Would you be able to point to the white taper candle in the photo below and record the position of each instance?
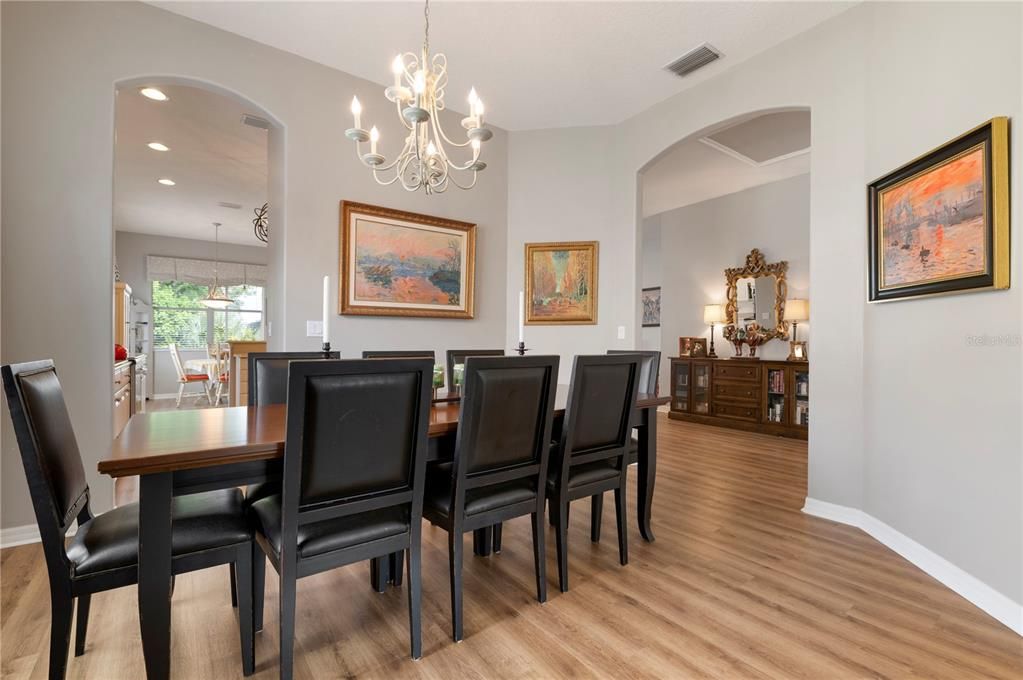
(326, 303)
(522, 316)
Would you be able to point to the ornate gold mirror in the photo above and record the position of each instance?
(756, 294)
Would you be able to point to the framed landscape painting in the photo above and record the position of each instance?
(940, 224)
(561, 283)
(651, 300)
(396, 263)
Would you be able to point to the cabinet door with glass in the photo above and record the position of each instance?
(801, 397)
(701, 387)
(680, 386)
(776, 380)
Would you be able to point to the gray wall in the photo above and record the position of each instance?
(698, 242)
(60, 65)
(130, 251)
(912, 423)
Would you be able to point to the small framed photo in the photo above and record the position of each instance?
(699, 347)
(685, 347)
(797, 350)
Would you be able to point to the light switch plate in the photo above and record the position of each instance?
(621, 332)
(314, 329)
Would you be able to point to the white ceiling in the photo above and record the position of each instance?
(535, 64)
(694, 171)
(213, 157)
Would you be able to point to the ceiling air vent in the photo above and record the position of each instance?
(255, 121)
(692, 60)
(232, 206)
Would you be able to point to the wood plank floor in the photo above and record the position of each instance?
(739, 584)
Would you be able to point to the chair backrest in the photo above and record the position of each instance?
(598, 414)
(458, 356)
(176, 358)
(505, 421)
(49, 454)
(268, 374)
(400, 354)
(649, 367)
(356, 439)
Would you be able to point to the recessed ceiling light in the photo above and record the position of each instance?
(154, 94)
(157, 146)
(166, 182)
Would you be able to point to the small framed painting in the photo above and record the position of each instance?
(651, 300)
(940, 224)
(561, 283)
(396, 263)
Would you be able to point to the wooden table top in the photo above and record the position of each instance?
(164, 441)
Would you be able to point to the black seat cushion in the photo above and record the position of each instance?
(482, 499)
(318, 538)
(587, 473)
(201, 521)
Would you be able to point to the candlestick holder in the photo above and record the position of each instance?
(326, 350)
(521, 349)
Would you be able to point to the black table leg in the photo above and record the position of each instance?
(155, 492)
(379, 573)
(482, 541)
(647, 470)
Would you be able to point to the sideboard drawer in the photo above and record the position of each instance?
(737, 391)
(737, 371)
(737, 411)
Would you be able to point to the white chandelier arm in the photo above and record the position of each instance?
(475, 176)
(438, 130)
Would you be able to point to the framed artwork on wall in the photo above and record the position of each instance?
(940, 223)
(561, 283)
(650, 298)
(396, 263)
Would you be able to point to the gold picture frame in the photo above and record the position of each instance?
(561, 283)
(756, 266)
(398, 263)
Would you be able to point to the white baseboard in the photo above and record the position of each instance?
(22, 535)
(983, 596)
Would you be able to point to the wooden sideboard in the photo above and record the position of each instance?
(240, 349)
(772, 397)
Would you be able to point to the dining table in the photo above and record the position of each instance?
(176, 453)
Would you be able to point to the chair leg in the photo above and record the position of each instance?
(415, 596)
(61, 610)
(242, 569)
(455, 563)
(378, 573)
(623, 527)
(258, 585)
(497, 537)
(539, 557)
(234, 585)
(82, 623)
(397, 562)
(287, 654)
(562, 545)
(596, 515)
(181, 393)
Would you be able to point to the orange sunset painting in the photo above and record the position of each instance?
(933, 224)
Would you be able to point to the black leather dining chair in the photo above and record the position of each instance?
(268, 385)
(209, 529)
(591, 456)
(458, 356)
(499, 469)
(400, 354)
(649, 367)
(354, 466)
(268, 374)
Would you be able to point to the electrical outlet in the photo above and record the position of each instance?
(621, 332)
(314, 329)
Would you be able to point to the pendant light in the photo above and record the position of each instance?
(217, 297)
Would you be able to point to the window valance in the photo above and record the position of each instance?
(159, 268)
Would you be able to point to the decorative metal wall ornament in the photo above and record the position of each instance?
(260, 225)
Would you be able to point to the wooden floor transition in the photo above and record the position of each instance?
(739, 584)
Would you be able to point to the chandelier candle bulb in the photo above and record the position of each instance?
(357, 112)
(397, 67)
(374, 135)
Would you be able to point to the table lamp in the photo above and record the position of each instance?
(796, 310)
(713, 314)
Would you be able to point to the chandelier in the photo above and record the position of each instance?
(418, 94)
(217, 297)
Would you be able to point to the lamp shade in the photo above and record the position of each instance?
(797, 310)
(713, 314)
